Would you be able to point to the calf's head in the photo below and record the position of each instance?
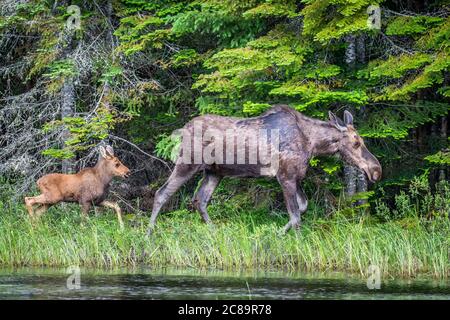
(111, 164)
(352, 148)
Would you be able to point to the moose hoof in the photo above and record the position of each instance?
(290, 225)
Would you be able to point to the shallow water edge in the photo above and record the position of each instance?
(186, 283)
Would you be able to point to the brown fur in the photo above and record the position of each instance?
(88, 187)
(301, 138)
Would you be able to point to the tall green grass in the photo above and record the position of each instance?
(239, 240)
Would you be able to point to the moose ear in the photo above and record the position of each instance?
(348, 118)
(338, 123)
(102, 151)
(109, 151)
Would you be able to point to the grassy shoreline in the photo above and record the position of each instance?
(248, 240)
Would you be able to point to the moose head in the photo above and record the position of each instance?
(111, 164)
(352, 148)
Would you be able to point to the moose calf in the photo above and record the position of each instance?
(87, 187)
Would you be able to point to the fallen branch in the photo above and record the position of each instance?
(140, 150)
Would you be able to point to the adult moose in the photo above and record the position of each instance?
(88, 187)
(299, 139)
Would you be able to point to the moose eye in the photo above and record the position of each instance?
(117, 165)
(357, 144)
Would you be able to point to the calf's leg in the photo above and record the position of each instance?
(115, 206)
(201, 198)
(39, 211)
(43, 200)
(85, 207)
(29, 204)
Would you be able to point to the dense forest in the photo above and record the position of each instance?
(129, 72)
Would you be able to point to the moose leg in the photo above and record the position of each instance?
(29, 201)
(302, 201)
(203, 195)
(38, 200)
(85, 207)
(292, 204)
(39, 211)
(179, 176)
(115, 206)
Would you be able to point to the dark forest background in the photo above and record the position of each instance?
(136, 70)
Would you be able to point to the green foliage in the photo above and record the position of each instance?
(432, 74)
(168, 147)
(221, 24)
(165, 21)
(185, 58)
(439, 158)
(404, 25)
(58, 153)
(320, 71)
(328, 164)
(273, 9)
(255, 108)
(418, 201)
(45, 28)
(138, 32)
(61, 68)
(24, 12)
(111, 74)
(248, 73)
(83, 132)
(436, 38)
(326, 20)
(311, 94)
(396, 121)
(380, 70)
(58, 72)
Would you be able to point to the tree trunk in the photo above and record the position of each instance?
(444, 128)
(361, 185)
(361, 48)
(350, 179)
(68, 110)
(350, 171)
(68, 100)
(111, 45)
(361, 179)
(350, 51)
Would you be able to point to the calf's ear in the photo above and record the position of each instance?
(102, 151)
(109, 151)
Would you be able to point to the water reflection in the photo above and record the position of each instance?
(140, 283)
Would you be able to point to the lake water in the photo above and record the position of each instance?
(32, 283)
